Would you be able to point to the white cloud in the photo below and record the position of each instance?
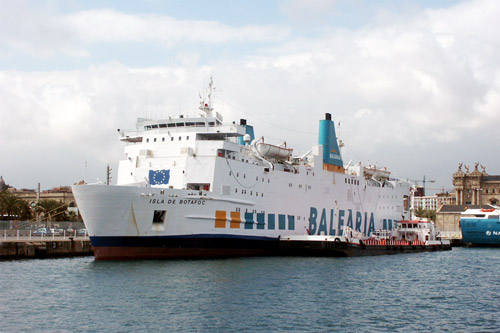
(403, 89)
(109, 25)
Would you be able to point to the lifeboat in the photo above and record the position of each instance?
(373, 171)
(271, 151)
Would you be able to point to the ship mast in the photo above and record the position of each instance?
(206, 106)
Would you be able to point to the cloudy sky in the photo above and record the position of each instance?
(415, 85)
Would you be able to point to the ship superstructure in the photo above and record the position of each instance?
(199, 187)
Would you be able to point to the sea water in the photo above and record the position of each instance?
(457, 290)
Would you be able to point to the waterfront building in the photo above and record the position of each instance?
(433, 202)
(62, 194)
(476, 187)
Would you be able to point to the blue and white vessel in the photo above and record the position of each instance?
(199, 187)
(481, 227)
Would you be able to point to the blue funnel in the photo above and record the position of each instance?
(328, 139)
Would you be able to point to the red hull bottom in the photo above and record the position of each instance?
(133, 253)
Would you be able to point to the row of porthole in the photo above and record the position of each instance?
(171, 139)
(251, 192)
(244, 176)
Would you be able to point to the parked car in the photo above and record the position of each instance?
(82, 232)
(55, 232)
(41, 231)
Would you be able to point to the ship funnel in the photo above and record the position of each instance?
(332, 160)
(248, 131)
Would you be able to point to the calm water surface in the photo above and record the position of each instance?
(457, 290)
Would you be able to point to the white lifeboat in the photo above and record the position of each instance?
(374, 172)
(271, 151)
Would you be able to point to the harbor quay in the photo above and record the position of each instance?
(31, 247)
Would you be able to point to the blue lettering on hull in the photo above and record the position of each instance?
(324, 222)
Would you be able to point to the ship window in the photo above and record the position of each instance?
(163, 139)
(154, 139)
(147, 128)
(200, 124)
(147, 140)
(180, 138)
(171, 125)
(154, 126)
(172, 139)
(159, 216)
(211, 123)
(163, 125)
(187, 137)
(235, 190)
(189, 124)
(180, 124)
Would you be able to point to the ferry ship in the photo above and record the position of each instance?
(193, 187)
(481, 226)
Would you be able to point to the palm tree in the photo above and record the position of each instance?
(52, 210)
(419, 212)
(11, 205)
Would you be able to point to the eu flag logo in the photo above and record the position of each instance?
(158, 177)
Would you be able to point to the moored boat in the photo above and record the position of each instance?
(481, 226)
(408, 236)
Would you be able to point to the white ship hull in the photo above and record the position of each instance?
(120, 219)
(189, 187)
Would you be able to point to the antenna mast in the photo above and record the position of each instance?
(206, 106)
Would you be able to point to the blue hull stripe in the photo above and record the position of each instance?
(187, 241)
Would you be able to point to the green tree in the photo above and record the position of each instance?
(25, 211)
(13, 207)
(419, 212)
(52, 210)
(430, 214)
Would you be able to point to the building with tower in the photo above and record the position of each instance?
(476, 187)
